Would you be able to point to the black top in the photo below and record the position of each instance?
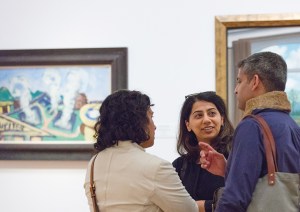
(199, 183)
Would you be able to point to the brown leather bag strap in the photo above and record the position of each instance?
(270, 148)
(93, 187)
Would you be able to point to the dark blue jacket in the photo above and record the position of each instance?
(247, 161)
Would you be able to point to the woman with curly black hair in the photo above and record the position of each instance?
(126, 178)
(203, 118)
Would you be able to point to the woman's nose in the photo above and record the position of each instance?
(206, 118)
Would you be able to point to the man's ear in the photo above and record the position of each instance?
(255, 82)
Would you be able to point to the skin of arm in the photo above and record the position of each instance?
(200, 204)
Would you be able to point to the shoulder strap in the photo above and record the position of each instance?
(270, 148)
(92, 186)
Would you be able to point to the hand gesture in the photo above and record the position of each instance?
(211, 160)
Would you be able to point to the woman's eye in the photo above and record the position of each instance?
(198, 116)
(212, 113)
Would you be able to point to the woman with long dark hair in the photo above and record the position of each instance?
(203, 118)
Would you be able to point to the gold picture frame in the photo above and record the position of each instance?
(225, 23)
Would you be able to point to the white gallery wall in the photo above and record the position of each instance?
(170, 54)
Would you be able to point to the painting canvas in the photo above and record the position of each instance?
(293, 92)
(51, 103)
(50, 100)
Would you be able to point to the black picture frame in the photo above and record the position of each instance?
(115, 58)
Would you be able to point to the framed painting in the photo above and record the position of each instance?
(236, 37)
(49, 100)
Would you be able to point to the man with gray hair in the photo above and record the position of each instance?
(260, 89)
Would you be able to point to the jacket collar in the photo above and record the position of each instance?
(272, 100)
(129, 144)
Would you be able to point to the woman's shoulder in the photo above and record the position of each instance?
(181, 162)
(178, 161)
(154, 159)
